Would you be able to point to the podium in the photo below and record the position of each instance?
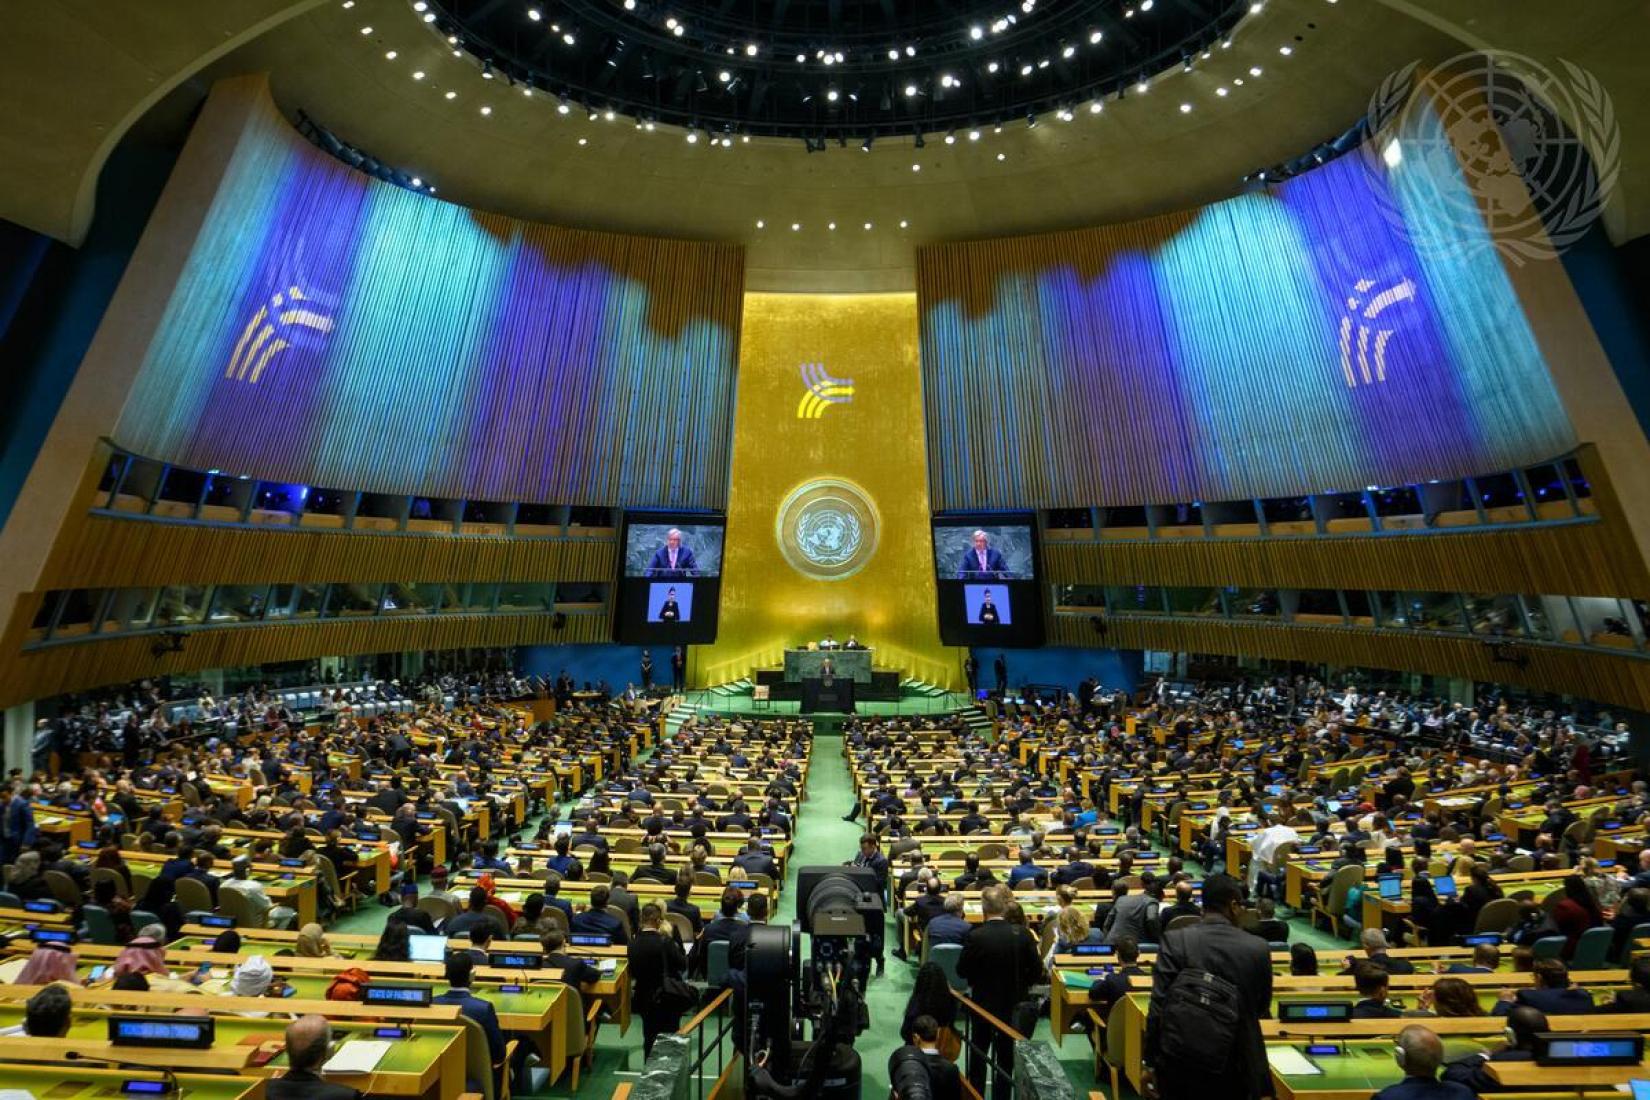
(835, 694)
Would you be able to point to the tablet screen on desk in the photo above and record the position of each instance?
(1444, 887)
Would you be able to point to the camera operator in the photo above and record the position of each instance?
(918, 1071)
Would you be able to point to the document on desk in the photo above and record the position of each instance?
(357, 1056)
(1290, 1062)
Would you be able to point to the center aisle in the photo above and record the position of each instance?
(822, 838)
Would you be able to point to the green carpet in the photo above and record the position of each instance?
(822, 837)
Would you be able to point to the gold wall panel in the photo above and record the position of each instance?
(107, 552)
(865, 451)
(1574, 559)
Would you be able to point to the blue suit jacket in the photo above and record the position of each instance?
(482, 1013)
(946, 928)
(660, 565)
(969, 566)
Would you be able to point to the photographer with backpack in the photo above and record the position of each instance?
(1210, 988)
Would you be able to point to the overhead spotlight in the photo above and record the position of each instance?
(1027, 70)
(976, 32)
(951, 138)
(910, 90)
(1064, 115)
(527, 91)
(796, 227)
(1222, 91)
(678, 30)
(452, 95)
(948, 81)
(760, 224)
(366, 30)
(1146, 5)
(831, 94)
(562, 108)
(724, 76)
(1255, 70)
(1141, 86)
(1185, 108)
(452, 40)
(693, 137)
(348, 4)
(670, 22)
(801, 58)
(532, 13)
(903, 224)
(831, 226)
(416, 182)
(910, 51)
(486, 110)
(992, 67)
(867, 225)
(727, 142)
(418, 74)
(973, 135)
(893, 55)
(421, 5)
(1097, 106)
(1286, 50)
(916, 168)
(1095, 37)
(568, 39)
(839, 56)
(389, 55)
(584, 141)
(1068, 51)
(609, 115)
(629, 5)
(1002, 156)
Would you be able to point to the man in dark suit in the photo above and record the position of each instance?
(678, 669)
(672, 559)
(980, 560)
(1419, 1052)
(1636, 999)
(1525, 1023)
(596, 920)
(460, 965)
(1553, 994)
(1000, 964)
(1217, 945)
(971, 672)
(754, 861)
(950, 926)
(574, 971)
(308, 1039)
(943, 1080)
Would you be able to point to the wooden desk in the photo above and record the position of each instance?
(78, 1083)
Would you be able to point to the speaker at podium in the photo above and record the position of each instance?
(832, 693)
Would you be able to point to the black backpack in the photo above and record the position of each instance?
(1200, 1019)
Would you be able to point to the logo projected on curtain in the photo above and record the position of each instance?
(278, 324)
(821, 391)
(1371, 338)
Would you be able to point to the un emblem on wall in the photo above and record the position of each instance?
(827, 528)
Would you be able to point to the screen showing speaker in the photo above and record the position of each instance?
(671, 583)
(986, 571)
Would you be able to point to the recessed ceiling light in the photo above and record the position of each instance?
(416, 182)
(903, 223)
(1002, 156)
(348, 4)
(1286, 50)
(976, 32)
(584, 141)
(366, 30)
(1255, 70)
(867, 225)
(724, 76)
(750, 49)
(1095, 37)
(910, 90)
(390, 55)
(973, 135)
(795, 226)
(452, 95)
(831, 95)
(831, 226)
(418, 74)
(916, 168)
(692, 138)
(486, 110)
(532, 13)
(1221, 91)
(1185, 108)
(760, 224)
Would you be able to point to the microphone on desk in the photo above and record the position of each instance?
(167, 1076)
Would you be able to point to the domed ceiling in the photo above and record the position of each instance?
(614, 114)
